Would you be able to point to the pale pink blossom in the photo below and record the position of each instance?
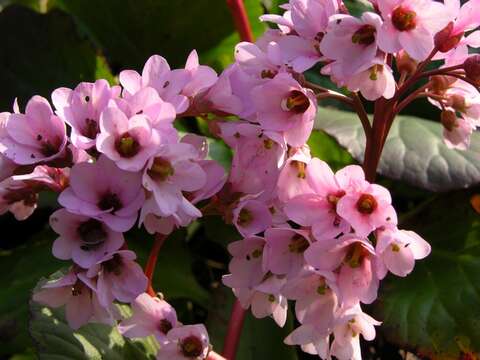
(81, 108)
(76, 293)
(103, 191)
(398, 250)
(119, 277)
(82, 239)
(352, 41)
(189, 342)
(36, 136)
(169, 172)
(251, 216)
(283, 105)
(293, 176)
(129, 142)
(411, 25)
(151, 316)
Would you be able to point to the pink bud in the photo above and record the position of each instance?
(472, 67)
(445, 40)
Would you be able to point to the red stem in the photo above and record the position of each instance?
(237, 8)
(152, 261)
(212, 355)
(234, 331)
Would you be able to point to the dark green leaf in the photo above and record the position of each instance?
(55, 340)
(414, 151)
(41, 52)
(326, 148)
(436, 309)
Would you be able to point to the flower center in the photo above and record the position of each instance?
(165, 326)
(245, 217)
(91, 129)
(365, 35)
(48, 148)
(92, 234)
(367, 204)
(298, 244)
(114, 265)
(110, 201)
(127, 146)
(268, 74)
(333, 199)
(404, 19)
(161, 169)
(296, 102)
(355, 255)
(300, 167)
(191, 347)
(77, 288)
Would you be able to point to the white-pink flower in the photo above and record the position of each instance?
(189, 342)
(151, 316)
(82, 239)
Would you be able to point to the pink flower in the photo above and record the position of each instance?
(293, 177)
(81, 108)
(354, 257)
(258, 63)
(246, 270)
(157, 74)
(374, 80)
(33, 137)
(398, 250)
(171, 171)
(310, 17)
(130, 142)
(186, 342)
(19, 193)
(82, 239)
(283, 252)
(103, 191)
(352, 41)
(283, 105)
(201, 77)
(365, 206)
(119, 277)
(319, 209)
(312, 339)
(350, 324)
(151, 316)
(75, 291)
(298, 53)
(267, 304)
(251, 216)
(253, 150)
(411, 25)
(456, 130)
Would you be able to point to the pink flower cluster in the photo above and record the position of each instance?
(318, 239)
(116, 160)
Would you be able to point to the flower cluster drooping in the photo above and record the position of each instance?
(317, 239)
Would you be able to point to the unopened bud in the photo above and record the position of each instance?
(445, 40)
(457, 102)
(440, 84)
(472, 68)
(405, 64)
(448, 119)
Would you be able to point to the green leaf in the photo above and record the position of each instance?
(41, 52)
(130, 31)
(20, 270)
(222, 55)
(55, 340)
(326, 148)
(414, 151)
(260, 338)
(436, 309)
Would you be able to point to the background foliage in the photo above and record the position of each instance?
(435, 312)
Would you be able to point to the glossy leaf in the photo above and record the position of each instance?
(414, 151)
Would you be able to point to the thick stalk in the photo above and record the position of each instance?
(239, 14)
(152, 261)
(234, 330)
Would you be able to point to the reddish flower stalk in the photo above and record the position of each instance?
(234, 330)
(237, 8)
(152, 261)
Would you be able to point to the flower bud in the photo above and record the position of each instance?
(440, 84)
(405, 64)
(472, 68)
(448, 119)
(445, 40)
